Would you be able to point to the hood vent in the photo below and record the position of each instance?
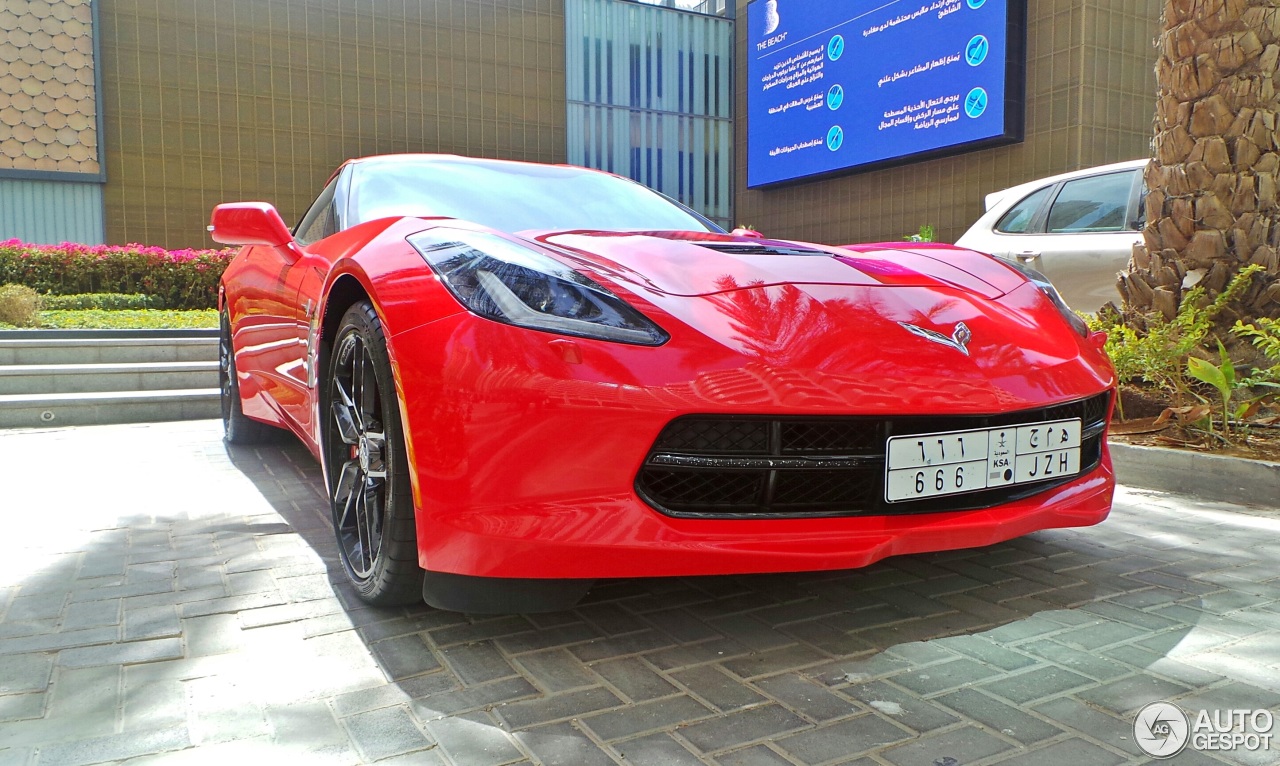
(737, 248)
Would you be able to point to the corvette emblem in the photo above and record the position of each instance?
(959, 339)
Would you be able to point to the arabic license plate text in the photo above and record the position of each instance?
(953, 462)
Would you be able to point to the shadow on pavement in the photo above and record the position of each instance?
(1051, 637)
(165, 599)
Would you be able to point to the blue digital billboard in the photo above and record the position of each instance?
(838, 85)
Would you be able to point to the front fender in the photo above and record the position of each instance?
(405, 293)
(403, 289)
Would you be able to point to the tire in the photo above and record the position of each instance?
(366, 464)
(237, 428)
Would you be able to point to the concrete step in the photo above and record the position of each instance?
(51, 378)
(98, 408)
(98, 350)
(80, 378)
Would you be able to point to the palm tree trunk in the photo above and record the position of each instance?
(1212, 207)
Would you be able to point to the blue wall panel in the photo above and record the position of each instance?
(650, 96)
(49, 212)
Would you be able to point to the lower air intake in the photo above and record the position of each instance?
(709, 466)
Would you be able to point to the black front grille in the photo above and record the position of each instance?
(768, 467)
(708, 489)
(706, 435)
(828, 438)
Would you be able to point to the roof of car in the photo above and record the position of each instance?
(455, 159)
(995, 197)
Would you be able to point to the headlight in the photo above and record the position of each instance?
(1046, 287)
(503, 281)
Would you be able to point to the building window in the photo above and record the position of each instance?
(671, 62)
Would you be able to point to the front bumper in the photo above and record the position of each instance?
(525, 447)
(621, 537)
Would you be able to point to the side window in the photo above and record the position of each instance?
(1019, 217)
(319, 222)
(1092, 204)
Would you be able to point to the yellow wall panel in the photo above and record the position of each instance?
(261, 99)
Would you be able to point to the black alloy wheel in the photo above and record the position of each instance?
(365, 460)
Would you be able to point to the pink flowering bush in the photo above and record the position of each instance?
(176, 279)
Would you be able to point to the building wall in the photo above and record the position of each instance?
(49, 212)
(650, 97)
(208, 102)
(50, 163)
(1090, 100)
(1117, 80)
(260, 99)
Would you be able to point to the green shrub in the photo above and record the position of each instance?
(104, 301)
(176, 279)
(1159, 356)
(1234, 393)
(19, 306)
(1265, 336)
(925, 234)
(130, 319)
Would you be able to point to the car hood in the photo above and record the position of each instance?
(864, 327)
(780, 326)
(693, 263)
(918, 348)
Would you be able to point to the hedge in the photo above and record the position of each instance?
(127, 319)
(99, 302)
(176, 279)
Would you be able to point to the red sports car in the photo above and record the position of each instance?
(522, 377)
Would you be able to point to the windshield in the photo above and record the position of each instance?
(512, 196)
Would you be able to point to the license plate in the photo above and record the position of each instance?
(950, 463)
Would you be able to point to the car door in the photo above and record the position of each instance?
(302, 285)
(262, 319)
(1085, 236)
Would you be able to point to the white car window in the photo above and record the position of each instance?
(1098, 203)
(1019, 217)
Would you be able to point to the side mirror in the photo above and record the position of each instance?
(249, 223)
(750, 233)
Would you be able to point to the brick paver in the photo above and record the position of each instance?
(166, 600)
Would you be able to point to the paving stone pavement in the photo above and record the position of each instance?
(165, 600)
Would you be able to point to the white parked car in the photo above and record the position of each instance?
(1078, 229)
